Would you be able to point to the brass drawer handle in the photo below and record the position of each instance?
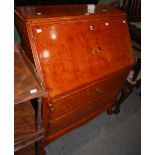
(92, 27)
(99, 91)
(96, 50)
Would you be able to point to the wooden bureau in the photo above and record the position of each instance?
(83, 55)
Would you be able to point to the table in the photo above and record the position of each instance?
(28, 92)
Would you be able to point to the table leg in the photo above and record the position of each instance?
(38, 149)
(38, 114)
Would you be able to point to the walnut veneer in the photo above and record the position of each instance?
(82, 55)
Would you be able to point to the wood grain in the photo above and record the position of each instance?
(24, 125)
(26, 151)
(25, 79)
(82, 58)
(68, 57)
(27, 118)
(37, 14)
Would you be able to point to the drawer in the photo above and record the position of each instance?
(71, 101)
(80, 113)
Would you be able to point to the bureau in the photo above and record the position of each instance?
(82, 54)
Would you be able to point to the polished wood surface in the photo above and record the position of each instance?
(106, 89)
(26, 84)
(76, 123)
(29, 150)
(35, 13)
(24, 121)
(28, 126)
(82, 58)
(57, 52)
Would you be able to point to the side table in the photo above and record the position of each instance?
(28, 92)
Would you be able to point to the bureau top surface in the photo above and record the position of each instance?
(66, 11)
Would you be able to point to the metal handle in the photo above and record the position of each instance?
(96, 50)
(99, 91)
(92, 27)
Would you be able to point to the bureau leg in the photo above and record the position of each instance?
(125, 92)
(109, 112)
(116, 110)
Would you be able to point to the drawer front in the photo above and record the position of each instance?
(80, 113)
(73, 54)
(106, 89)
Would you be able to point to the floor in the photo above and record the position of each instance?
(105, 135)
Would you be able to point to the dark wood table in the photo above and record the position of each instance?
(28, 92)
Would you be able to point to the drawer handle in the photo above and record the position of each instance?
(92, 27)
(96, 50)
(99, 91)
